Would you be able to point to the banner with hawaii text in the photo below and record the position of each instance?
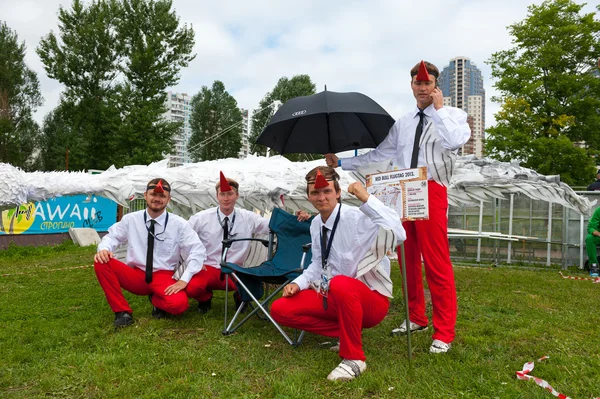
(58, 215)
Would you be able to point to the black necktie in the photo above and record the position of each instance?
(226, 228)
(415, 153)
(150, 252)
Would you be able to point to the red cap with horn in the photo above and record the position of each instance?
(320, 181)
(423, 75)
(224, 187)
(159, 187)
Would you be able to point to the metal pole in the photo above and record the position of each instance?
(510, 226)
(549, 247)
(565, 236)
(480, 231)
(581, 237)
(405, 291)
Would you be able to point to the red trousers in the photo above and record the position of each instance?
(429, 238)
(115, 275)
(351, 306)
(204, 282)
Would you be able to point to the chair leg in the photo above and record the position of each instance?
(230, 329)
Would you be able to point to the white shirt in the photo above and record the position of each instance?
(247, 224)
(354, 236)
(444, 131)
(177, 242)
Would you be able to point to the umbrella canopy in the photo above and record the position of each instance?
(326, 122)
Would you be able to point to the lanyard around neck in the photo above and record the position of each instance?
(325, 251)
(222, 223)
(162, 232)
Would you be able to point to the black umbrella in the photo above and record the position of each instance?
(326, 122)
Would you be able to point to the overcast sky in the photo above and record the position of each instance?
(365, 46)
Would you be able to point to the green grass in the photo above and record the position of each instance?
(57, 341)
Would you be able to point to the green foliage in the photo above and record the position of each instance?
(116, 58)
(284, 90)
(216, 123)
(19, 97)
(549, 91)
(58, 341)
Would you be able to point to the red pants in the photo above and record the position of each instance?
(351, 306)
(115, 275)
(204, 282)
(429, 238)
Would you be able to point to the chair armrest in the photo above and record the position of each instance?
(227, 243)
(305, 249)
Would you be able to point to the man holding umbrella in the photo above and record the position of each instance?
(427, 136)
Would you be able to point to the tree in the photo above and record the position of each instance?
(60, 147)
(284, 90)
(19, 97)
(550, 93)
(216, 123)
(116, 58)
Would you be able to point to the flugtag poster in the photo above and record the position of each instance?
(403, 190)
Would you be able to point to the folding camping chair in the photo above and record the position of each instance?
(284, 263)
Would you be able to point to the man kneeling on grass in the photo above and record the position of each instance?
(344, 304)
(157, 240)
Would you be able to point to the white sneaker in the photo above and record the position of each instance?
(336, 347)
(439, 346)
(347, 370)
(414, 327)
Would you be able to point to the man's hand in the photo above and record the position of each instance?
(438, 98)
(332, 160)
(359, 191)
(302, 215)
(103, 256)
(291, 290)
(175, 288)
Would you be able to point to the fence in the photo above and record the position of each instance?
(538, 232)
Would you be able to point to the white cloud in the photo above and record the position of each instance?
(346, 45)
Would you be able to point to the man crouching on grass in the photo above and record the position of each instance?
(157, 240)
(344, 304)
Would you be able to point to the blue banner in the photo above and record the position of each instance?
(58, 215)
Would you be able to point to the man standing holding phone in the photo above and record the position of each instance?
(430, 135)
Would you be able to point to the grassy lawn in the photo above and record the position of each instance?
(57, 341)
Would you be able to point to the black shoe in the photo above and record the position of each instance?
(204, 307)
(123, 319)
(156, 312)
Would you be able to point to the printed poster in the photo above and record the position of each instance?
(403, 190)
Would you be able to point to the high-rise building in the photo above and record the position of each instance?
(462, 84)
(245, 149)
(179, 110)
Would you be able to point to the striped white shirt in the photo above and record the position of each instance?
(356, 231)
(444, 131)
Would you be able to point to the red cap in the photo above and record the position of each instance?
(159, 187)
(423, 75)
(224, 187)
(320, 180)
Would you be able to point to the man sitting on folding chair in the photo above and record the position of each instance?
(217, 224)
(341, 304)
